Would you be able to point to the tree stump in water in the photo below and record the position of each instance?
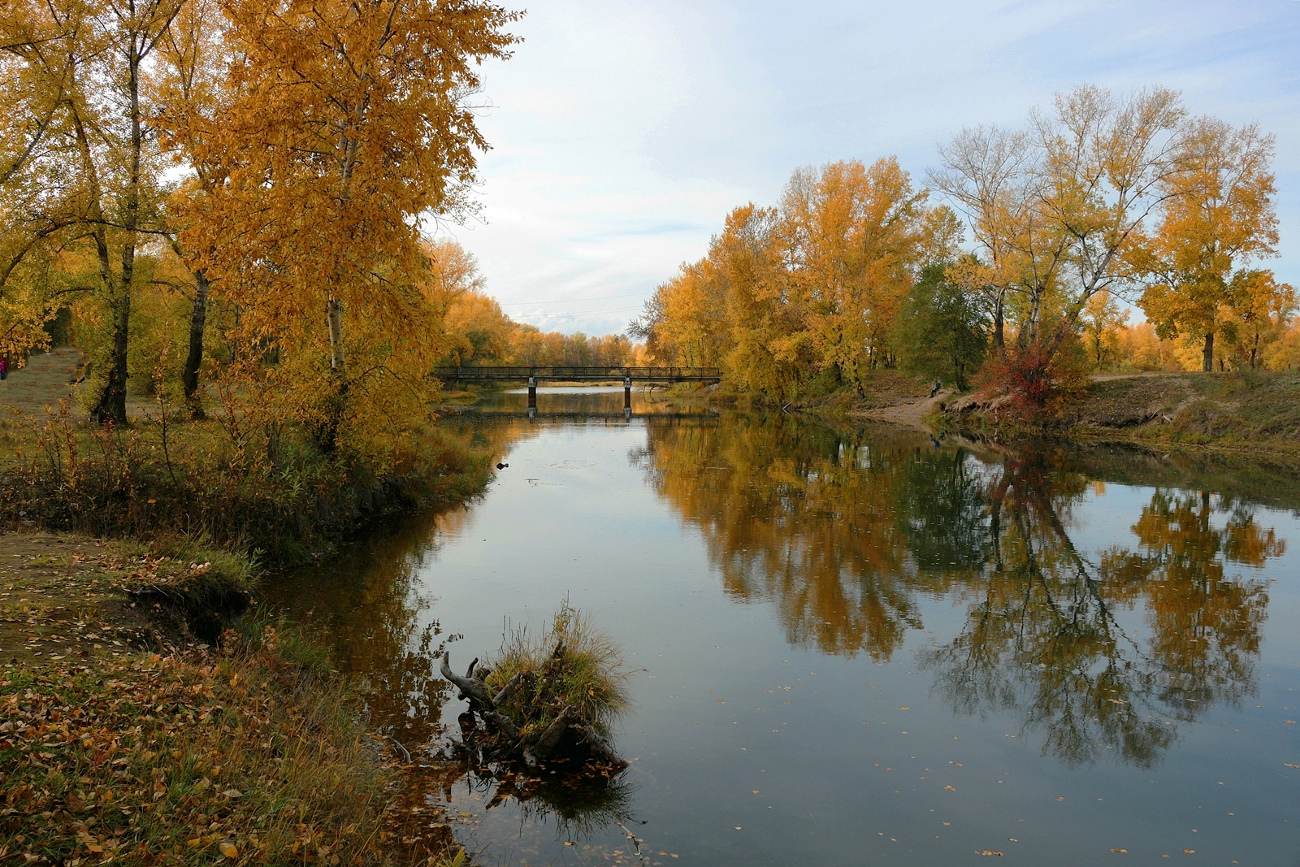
(554, 732)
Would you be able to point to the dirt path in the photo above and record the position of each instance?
(910, 414)
(52, 376)
(42, 382)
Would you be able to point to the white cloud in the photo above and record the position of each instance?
(625, 130)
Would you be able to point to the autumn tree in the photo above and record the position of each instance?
(1218, 213)
(189, 88)
(983, 175)
(92, 62)
(850, 237)
(808, 289)
(1056, 208)
(1259, 311)
(36, 206)
(1100, 322)
(344, 126)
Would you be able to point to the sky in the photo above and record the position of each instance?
(623, 132)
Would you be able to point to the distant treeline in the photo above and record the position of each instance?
(1015, 260)
(478, 332)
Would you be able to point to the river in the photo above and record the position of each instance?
(852, 647)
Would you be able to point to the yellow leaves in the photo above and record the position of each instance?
(812, 286)
(228, 849)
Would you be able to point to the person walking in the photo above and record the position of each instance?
(4, 367)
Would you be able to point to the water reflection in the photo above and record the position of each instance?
(579, 801)
(844, 533)
(794, 513)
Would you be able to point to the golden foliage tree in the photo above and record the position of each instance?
(342, 127)
(91, 153)
(1219, 212)
(1056, 207)
(809, 288)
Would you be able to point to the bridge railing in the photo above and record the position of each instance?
(579, 373)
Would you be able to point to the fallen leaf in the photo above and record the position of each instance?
(228, 849)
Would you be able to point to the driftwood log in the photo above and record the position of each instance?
(533, 751)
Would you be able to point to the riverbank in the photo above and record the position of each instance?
(1241, 413)
(127, 737)
(145, 719)
(1248, 413)
(239, 482)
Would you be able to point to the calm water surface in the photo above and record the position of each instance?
(856, 648)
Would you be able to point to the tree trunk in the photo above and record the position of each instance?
(335, 314)
(999, 330)
(112, 403)
(1207, 354)
(329, 435)
(198, 321)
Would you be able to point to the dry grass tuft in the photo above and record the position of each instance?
(587, 673)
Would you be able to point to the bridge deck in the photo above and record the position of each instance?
(579, 374)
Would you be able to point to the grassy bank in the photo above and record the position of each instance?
(125, 738)
(144, 720)
(163, 476)
(1253, 413)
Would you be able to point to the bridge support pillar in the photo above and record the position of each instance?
(627, 392)
(532, 392)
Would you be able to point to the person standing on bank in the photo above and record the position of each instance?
(4, 367)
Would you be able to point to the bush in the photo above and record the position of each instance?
(1038, 378)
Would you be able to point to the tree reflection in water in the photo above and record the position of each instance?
(845, 533)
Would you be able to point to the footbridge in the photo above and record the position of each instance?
(531, 376)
